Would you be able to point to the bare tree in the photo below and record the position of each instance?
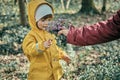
(62, 3)
(66, 2)
(22, 10)
(88, 7)
(104, 6)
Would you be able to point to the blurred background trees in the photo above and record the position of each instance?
(88, 6)
(22, 9)
(104, 6)
(81, 6)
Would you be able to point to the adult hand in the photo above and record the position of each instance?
(64, 32)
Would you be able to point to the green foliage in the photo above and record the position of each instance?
(98, 62)
(12, 38)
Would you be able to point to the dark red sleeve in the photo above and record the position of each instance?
(100, 32)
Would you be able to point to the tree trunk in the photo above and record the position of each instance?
(22, 12)
(68, 3)
(62, 3)
(88, 7)
(104, 6)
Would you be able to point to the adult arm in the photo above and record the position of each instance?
(100, 32)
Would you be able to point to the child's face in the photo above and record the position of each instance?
(43, 23)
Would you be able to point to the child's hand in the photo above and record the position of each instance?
(47, 43)
(66, 58)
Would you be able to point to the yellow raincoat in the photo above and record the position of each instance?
(44, 63)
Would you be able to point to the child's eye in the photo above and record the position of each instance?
(42, 20)
(49, 19)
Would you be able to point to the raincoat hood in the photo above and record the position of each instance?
(32, 6)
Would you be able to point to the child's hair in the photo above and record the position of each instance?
(47, 16)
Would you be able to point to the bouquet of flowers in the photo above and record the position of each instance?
(55, 26)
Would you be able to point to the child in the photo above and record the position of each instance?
(40, 46)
